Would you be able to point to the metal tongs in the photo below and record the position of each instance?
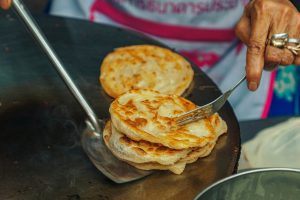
(92, 141)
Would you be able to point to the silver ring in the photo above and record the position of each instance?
(279, 40)
(294, 49)
(280, 36)
(295, 41)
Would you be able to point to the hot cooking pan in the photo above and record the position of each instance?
(41, 123)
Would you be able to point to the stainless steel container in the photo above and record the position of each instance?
(256, 184)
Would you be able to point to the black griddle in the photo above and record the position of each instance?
(41, 123)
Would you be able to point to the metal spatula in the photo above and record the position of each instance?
(92, 142)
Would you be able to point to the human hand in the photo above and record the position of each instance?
(4, 4)
(262, 19)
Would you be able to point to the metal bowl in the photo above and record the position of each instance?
(258, 184)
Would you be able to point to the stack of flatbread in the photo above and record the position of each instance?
(147, 82)
(142, 131)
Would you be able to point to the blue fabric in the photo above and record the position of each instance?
(285, 101)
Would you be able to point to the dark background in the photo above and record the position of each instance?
(296, 3)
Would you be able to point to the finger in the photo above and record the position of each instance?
(256, 47)
(281, 25)
(279, 56)
(295, 26)
(297, 60)
(270, 66)
(242, 29)
(5, 4)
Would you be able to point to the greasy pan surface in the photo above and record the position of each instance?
(41, 123)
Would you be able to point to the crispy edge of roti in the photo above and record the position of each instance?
(179, 166)
(192, 157)
(176, 168)
(137, 151)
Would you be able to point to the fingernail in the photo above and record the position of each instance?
(252, 86)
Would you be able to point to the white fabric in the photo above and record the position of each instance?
(277, 146)
(201, 13)
(218, 14)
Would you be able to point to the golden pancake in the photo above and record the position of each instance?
(220, 129)
(145, 67)
(194, 155)
(148, 115)
(179, 166)
(139, 151)
(148, 156)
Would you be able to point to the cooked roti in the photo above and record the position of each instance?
(149, 156)
(179, 166)
(140, 151)
(149, 116)
(145, 67)
(197, 153)
(201, 152)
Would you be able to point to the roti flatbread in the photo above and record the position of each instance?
(149, 116)
(145, 67)
(140, 151)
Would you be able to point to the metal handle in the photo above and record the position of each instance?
(34, 29)
(238, 83)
